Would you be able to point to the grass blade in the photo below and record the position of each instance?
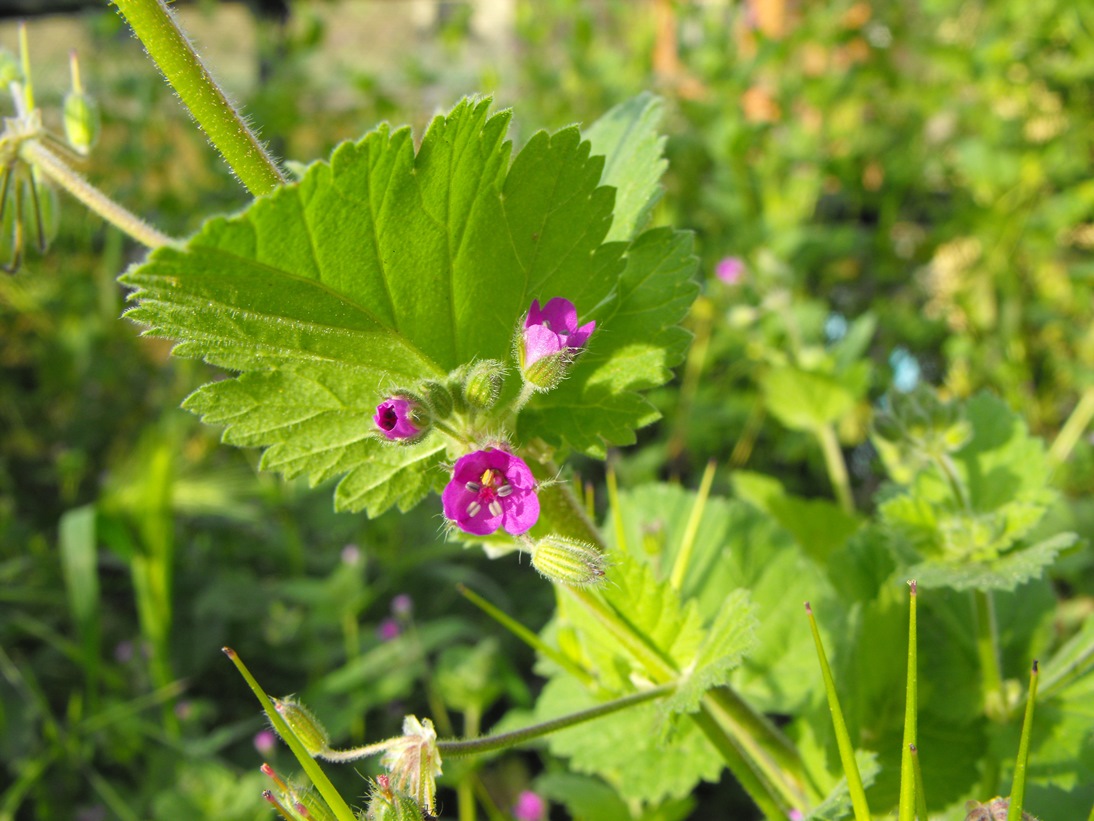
(843, 738)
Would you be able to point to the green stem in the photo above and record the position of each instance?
(503, 741)
(687, 543)
(325, 788)
(839, 725)
(1073, 428)
(465, 789)
(837, 468)
(1018, 787)
(169, 48)
(911, 704)
(987, 649)
(41, 158)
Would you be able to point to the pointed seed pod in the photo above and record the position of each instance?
(81, 114)
(569, 561)
(304, 724)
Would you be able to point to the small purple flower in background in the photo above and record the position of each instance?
(530, 807)
(730, 270)
(123, 651)
(184, 709)
(388, 629)
(553, 329)
(402, 606)
(491, 489)
(394, 418)
(265, 741)
(351, 554)
(795, 815)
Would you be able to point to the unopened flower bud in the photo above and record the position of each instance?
(402, 417)
(310, 805)
(386, 804)
(549, 342)
(81, 114)
(568, 561)
(483, 383)
(304, 724)
(439, 399)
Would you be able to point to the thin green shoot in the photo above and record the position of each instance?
(319, 778)
(1018, 788)
(920, 792)
(687, 543)
(527, 636)
(908, 759)
(843, 737)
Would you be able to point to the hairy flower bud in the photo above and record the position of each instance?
(386, 804)
(304, 724)
(439, 399)
(549, 342)
(81, 114)
(483, 383)
(568, 561)
(402, 417)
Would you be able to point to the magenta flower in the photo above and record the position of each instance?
(491, 489)
(553, 329)
(730, 270)
(395, 418)
(265, 741)
(530, 807)
(389, 629)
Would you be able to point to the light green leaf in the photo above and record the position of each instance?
(628, 749)
(389, 266)
(1006, 573)
(727, 640)
(319, 425)
(637, 340)
(627, 137)
(805, 400)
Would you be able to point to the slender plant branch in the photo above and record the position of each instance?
(503, 741)
(117, 215)
(172, 52)
(987, 648)
(837, 468)
(1073, 428)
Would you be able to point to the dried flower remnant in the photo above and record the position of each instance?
(413, 761)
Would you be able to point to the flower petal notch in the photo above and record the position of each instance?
(491, 489)
(550, 340)
(398, 419)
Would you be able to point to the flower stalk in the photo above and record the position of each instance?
(174, 55)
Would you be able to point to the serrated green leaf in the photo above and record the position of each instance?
(319, 426)
(388, 266)
(1005, 573)
(636, 342)
(737, 547)
(627, 137)
(727, 640)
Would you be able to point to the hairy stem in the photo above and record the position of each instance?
(59, 172)
(174, 55)
(503, 741)
(837, 468)
(1073, 428)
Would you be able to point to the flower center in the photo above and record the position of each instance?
(388, 417)
(488, 490)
